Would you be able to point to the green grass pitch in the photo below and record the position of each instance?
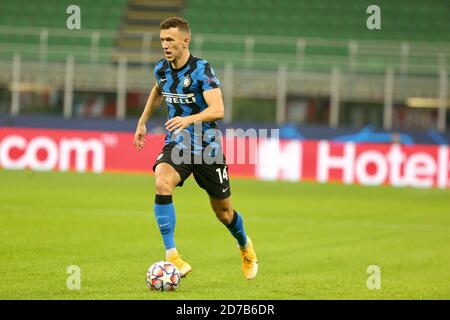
(313, 241)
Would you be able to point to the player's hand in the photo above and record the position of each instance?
(139, 136)
(178, 124)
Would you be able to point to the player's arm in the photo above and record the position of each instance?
(153, 101)
(214, 111)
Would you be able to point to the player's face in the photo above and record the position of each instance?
(174, 42)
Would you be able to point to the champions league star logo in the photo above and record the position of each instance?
(211, 81)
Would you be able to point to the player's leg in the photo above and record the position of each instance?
(214, 179)
(233, 221)
(166, 179)
(230, 218)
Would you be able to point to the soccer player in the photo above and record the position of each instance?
(191, 91)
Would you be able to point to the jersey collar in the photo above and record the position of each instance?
(184, 66)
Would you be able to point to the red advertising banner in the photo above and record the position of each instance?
(422, 166)
(62, 150)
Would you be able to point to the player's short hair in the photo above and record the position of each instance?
(175, 22)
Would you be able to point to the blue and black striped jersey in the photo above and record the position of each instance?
(183, 93)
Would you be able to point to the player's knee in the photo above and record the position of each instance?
(224, 214)
(163, 186)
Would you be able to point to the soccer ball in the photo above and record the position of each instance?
(163, 276)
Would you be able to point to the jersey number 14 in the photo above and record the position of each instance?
(222, 175)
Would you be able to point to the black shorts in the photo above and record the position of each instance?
(211, 177)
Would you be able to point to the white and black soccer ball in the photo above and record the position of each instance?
(163, 276)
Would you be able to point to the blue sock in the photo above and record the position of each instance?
(236, 227)
(165, 218)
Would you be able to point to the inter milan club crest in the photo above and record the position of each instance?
(186, 81)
